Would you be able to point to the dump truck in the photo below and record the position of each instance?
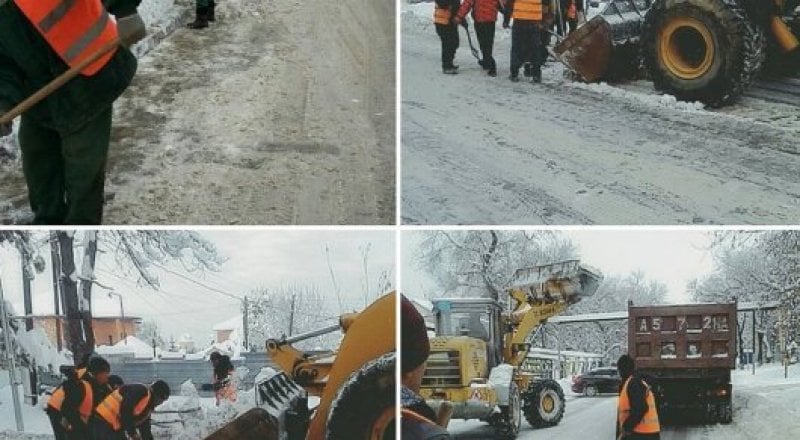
(686, 354)
(696, 50)
(355, 386)
(474, 367)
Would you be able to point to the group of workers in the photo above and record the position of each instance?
(530, 31)
(637, 413)
(93, 404)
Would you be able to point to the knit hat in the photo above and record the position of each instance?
(415, 344)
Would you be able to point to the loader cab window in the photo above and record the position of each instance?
(474, 325)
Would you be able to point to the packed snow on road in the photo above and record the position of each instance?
(766, 406)
(281, 112)
(482, 150)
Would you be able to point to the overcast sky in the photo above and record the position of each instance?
(255, 259)
(672, 257)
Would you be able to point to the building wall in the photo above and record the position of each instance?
(106, 331)
(223, 335)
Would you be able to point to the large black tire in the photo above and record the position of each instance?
(366, 395)
(507, 427)
(543, 403)
(738, 49)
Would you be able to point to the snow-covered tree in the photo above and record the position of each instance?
(482, 263)
(150, 333)
(757, 266)
(291, 310)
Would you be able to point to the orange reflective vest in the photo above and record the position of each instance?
(75, 29)
(528, 10)
(649, 423)
(441, 15)
(85, 409)
(110, 408)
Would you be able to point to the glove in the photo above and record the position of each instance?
(131, 29)
(5, 129)
(464, 23)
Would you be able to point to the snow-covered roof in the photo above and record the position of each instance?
(131, 344)
(230, 324)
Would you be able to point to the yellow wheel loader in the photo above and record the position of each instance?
(356, 386)
(696, 50)
(480, 345)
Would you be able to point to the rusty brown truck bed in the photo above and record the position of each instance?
(686, 352)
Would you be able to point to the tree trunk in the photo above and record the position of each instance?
(80, 337)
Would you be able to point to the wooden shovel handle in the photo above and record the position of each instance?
(57, 83)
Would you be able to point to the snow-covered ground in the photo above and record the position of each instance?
(766, 407)
(281, 112)
(481, 150)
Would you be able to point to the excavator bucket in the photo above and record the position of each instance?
(568, 279)
(607, 46)
(281, 413)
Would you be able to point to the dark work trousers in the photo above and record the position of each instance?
(65, 172)
(102, 431)
(58, 428)
(448, 33)
(526, 45)
(485, 33)
(77, 432)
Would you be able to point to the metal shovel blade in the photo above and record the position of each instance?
(587, 50)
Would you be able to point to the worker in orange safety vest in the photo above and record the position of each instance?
(71, 404)
(125, 413)
(637, 413)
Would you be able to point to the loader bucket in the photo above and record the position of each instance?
(281, 413)
(607, 46)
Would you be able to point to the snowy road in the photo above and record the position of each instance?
(487, 151)
(282, 112)
(765, 407)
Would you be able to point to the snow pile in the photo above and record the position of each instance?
(131, 345)
(663, 101)
(37, 346)
(34, 419)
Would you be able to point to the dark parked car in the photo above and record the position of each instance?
(597, 381)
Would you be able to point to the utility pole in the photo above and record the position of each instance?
(245, 329)
(55, 261)
(27, 277)
(12, 373)
(291, 315)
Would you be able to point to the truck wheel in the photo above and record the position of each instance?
(364, 406)
(543, 403)
(702, 50)
(507, 427)
(590, 391)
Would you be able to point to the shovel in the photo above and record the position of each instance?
(58, 82)
(472, 48)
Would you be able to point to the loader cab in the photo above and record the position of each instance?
(477, 318)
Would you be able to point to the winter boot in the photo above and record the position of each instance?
(514, 77)
(482, 64)
(526, 70)
(536, 75)
(211, 16)
(492, 72)
(201, 19)
(450, 70)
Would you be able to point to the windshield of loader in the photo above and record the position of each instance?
(472, 324)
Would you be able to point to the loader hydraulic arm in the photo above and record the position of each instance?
(524, 319)
(309, 371)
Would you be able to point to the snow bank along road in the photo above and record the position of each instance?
(281, 112)
(480, 150)
(765, 408)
